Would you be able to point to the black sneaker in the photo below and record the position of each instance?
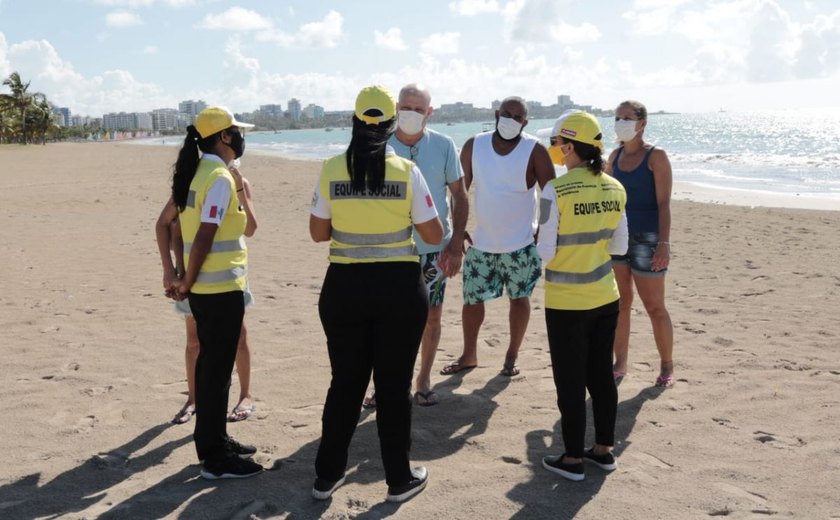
(605, 461)
(419, 479)
(564, 469)
(230, 467)
(240, 450)
(323, 489)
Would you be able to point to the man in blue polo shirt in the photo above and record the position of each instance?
(437, 158)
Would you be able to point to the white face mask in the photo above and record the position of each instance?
(625, 130)
(410, 122)
(508, 128)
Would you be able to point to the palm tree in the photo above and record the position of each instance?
(20, 98)
(44, 113)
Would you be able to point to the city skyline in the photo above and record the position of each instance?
(100, 56)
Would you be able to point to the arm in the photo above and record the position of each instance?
(245, 200)
(549, 218)
(164, 235)
(466, 162)
(610, 160)
(430, 231)
(320, 229)
(619, 241)
(453, 255)
(661, 167)
(540, 167)
(200, 248)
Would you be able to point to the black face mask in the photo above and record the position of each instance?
(237, 143)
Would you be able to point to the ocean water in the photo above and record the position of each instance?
(787, 152)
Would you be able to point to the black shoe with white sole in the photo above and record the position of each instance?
(230, 466)
(564, 469)
(419, 479)
(240, 450)
(605, 461)
(323, 489)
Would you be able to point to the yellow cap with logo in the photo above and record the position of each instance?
(375, 98)
(578, 126)
(213, 120)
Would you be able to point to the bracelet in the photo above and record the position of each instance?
(242, 188)
(663, 242)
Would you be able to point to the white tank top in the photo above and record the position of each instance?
(505, 208)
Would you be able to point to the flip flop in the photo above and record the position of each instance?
(369, 402)
(618, 375)
(184, 414)
(665, 381)
(241, 413)
(429, 398)
(510, 370)
(455, 367)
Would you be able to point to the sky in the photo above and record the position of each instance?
(99, 56)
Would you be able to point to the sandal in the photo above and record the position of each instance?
(510, 370)
(369, 402)
(184, 414)
(241, 413)
(455, 367)
(429, 398)
(665, 381)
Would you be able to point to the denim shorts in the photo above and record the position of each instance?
(486, 274)
(639, 255)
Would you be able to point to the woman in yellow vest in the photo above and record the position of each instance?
(581, 223)
(216, 259)
(373, 303)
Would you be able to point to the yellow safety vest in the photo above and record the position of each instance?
(370, 225)
(580, 275)
(225, 268)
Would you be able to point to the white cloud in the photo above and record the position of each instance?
(441, 43)
(122, 19)
(474, 7)
(236, 19)
(391, 39)
(542, 21)
(150, 49)
(38, 61)
(5, 67)
(326, 33)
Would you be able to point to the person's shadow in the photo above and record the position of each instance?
(83, 486)
(548, 495)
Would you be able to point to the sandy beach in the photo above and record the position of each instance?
(94, 368)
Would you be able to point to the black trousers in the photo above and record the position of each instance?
(218, 318)
(581, 344)
(373, 316)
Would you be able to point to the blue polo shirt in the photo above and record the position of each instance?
(436, 157)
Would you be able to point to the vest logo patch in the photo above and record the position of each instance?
(393, 190)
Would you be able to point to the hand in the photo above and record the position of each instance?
(661, 257)
(180, 290)
(467, 240)
(450, 259)
(169, 277)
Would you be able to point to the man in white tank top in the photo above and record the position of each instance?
(505, 168)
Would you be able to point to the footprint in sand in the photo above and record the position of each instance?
(641, 366)
(737, 492)
(724, 422)
(650, 460)
(723, 342)
(83, 425)
(778, 441)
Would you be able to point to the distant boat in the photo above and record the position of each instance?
(487, 127)
(328, 129)
(450, 124)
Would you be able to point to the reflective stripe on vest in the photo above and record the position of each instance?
(579, 278)
(222, 246)
(191, 199)
(578, 239)
(222, 276)
(371, 239)
(373, 252)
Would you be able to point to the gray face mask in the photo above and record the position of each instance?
(508, 128)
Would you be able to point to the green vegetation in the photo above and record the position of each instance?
(24, 115)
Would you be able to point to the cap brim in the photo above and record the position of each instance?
(241, 124)
(544, 132)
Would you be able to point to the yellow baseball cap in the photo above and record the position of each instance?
(578, 126)
(213, 120)
(375, 98)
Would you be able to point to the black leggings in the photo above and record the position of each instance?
(581, 344)
(373, 316)
(218, 318)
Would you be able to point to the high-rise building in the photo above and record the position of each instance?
(164, 119)
(65, 116)
(564, 101)
(271, 110)
(294, 109)
(313, 111)
(191, 109)
(127, 121)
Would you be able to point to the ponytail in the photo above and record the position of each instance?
(366, 154)
(185, 167)
(590, 154)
